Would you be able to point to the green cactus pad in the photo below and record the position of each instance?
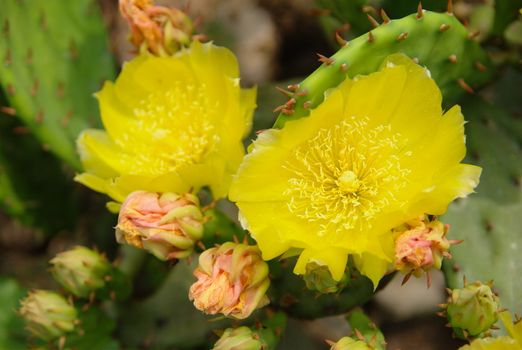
(489, 221)
(53, 57)
(437, 40)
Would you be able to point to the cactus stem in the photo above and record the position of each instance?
(371, 37)
(402, 36)
(443, 27)
(420, 12)
(343, 67)
(385, 17)
(480, 67)
(10, 89)
(428, 279)
(293, 87)
(449, 9)
(284, 92)
(307, 104)
(472, 35)
(326, 60)
(8, 110)
(465, 86)
(39, 117)
(340, 40)
(453, 58)
(35, 87)
(372, 20)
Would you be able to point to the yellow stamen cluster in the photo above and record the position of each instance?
(345, 175)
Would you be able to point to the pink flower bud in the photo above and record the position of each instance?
(232, 280)
(165, 224)
(421, 245)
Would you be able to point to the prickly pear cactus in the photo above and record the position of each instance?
(437, 40)
(489, 221)
(50, 67)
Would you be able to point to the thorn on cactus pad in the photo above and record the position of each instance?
(340, 40)
(464, 281)
(402, 36)
(39, 117)
(385, 17)
(35, 87)
(443, 27)
(29, 56)
(480, 67)
(465, 86)
(453, 58)
(293, 87)
(372, 20)
(5, 28)
(326, 60)
(307, 104)
(21, 130)
(301, 93)
(406, 278)
(8, 58)
(371, 37)
(343, 67)
(10, 89)
(428, 279)
(73, 50)
(43, 21)
(8, 110)
(449, 9)
(420, 12)
(60, 89)
(472, 35)
(284, 92)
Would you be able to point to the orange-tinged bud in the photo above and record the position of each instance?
(159, 30)
(165, 224)
(232, 280)
(420, 245)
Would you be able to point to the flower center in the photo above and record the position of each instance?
(174, 129)
(346, 175)
(348, 182)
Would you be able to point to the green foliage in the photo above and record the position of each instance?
(359, 321)
(54, 57)
(33, 186)
(438, 40)
(488, 221)
(506, 11)
(12, 334)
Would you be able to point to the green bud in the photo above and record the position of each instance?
(348, 343)
(472, 310)
(80, 270)
(241, 338)
(319, 278)
(47, 314)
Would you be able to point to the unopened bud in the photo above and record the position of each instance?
(241, 338)
(348, 343)
(421, 245)
(47, 314)
(319, 278)
(165, 224)
(159, 30)
(80, 270)
(232, 280)
(472, 310)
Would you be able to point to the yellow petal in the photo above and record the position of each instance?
(335, 259)
(372, 267)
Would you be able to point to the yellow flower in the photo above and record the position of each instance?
(376, 153)
(511, 342)
(172, 124)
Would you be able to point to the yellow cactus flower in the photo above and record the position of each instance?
(378, 152)
(172, 124)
